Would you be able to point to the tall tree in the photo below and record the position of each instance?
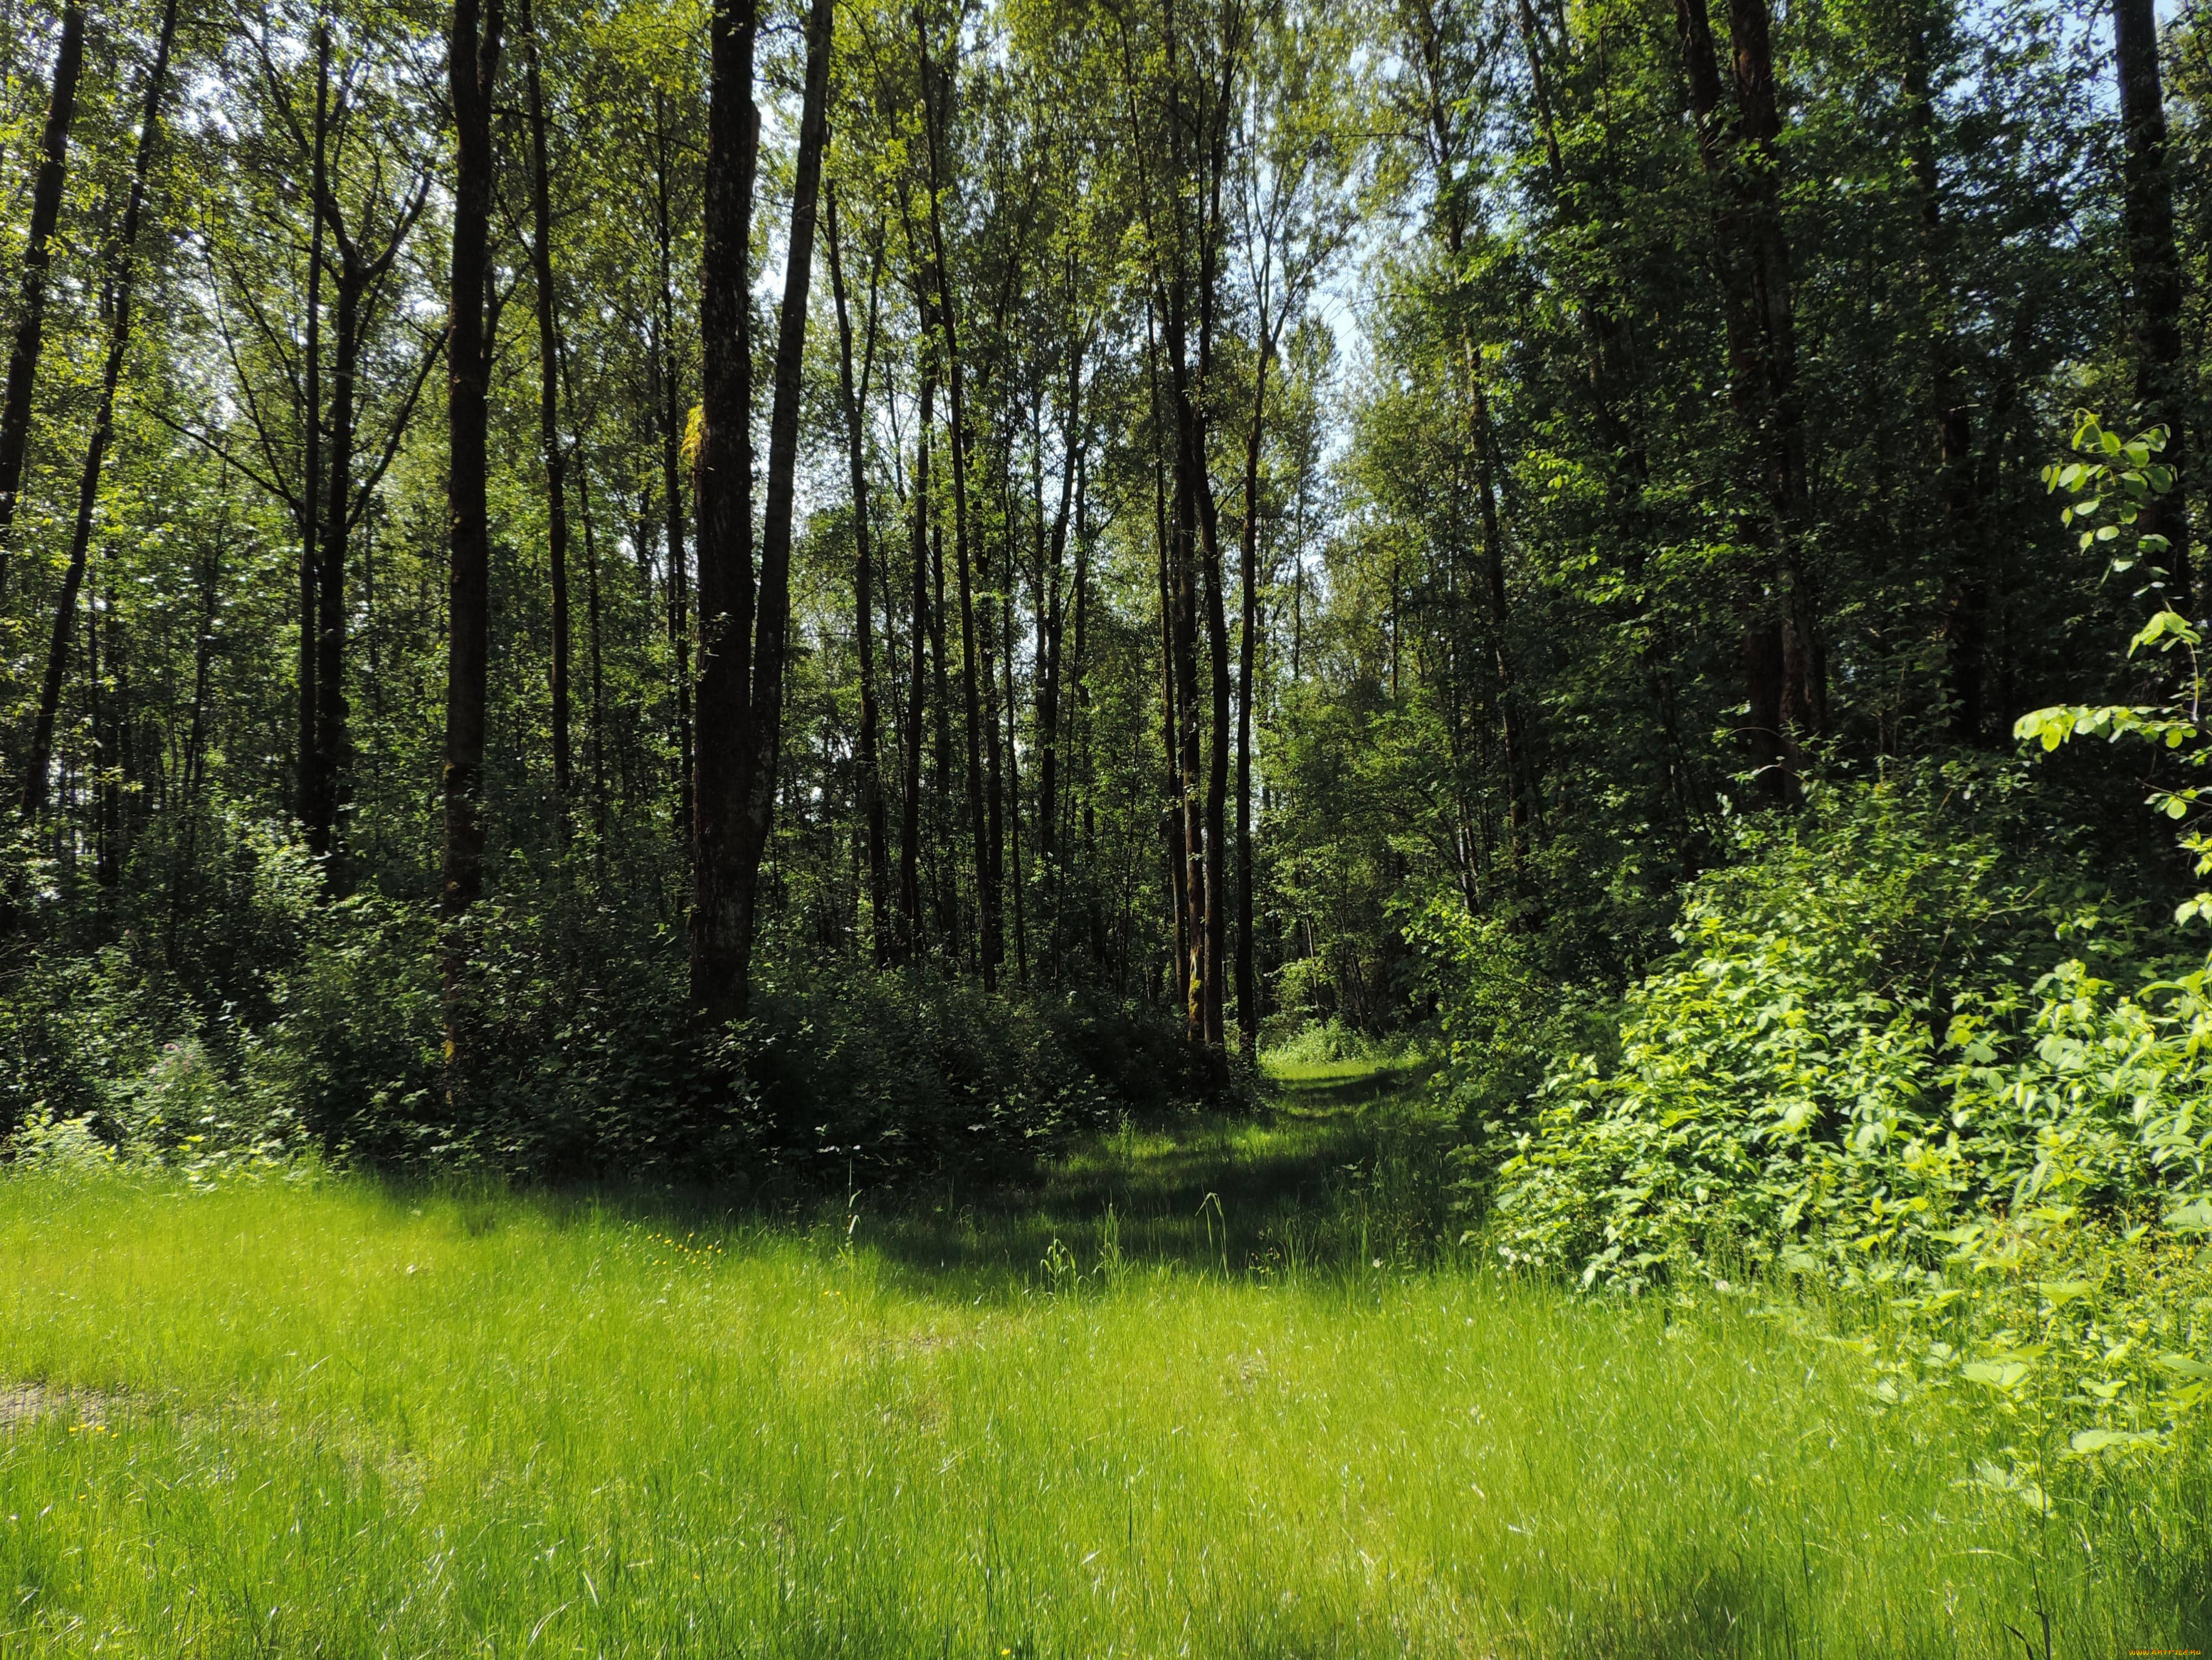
(37, 258)
(744, 625)
(2161, 365)
(472, 70)
(548, 391)
(854, 401)
(118, 285)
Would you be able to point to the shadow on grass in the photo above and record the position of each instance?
(1338, 1169)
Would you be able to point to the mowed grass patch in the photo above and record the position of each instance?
(1107, 1419)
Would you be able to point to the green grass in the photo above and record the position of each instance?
(1205, 1395)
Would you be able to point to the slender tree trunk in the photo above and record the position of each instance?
(854, 403)
(549, 397)
(1965, 601)
(121, 278)
(593, 645)
(473, 67)
(765, 715)
(1052, 553)
(742, 628)
(973, 651)
(1779, 656)
(670, 416)
(332, 758)
(909, 877)
(722, 492)
(1247, 1001)
(2161, 367)
(31, 302)
(313, 788)
(1014, 790)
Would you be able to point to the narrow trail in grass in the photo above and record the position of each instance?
(1338, 1165)
(1226, 1391)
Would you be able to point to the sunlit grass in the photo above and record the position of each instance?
(1193, 1397)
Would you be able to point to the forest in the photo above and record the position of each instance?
(885, 722)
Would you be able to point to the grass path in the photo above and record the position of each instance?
(1194, 1397)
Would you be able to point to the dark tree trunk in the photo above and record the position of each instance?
(357, 273)
(31, 303)
(1247, 1001)
(909, 877)
(854, 402)
(2162, 367)
(549, 398)
(592, 650)
(743, 626)
(472, 67)
(722, 497)
(670, 411)
(1966, 598)
(1779, 657)
(974, 650)
(116, 296)
(329, 751)
(313, 790)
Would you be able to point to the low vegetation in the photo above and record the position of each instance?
(1232, 1390)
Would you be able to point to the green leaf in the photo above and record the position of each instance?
(2196, 1216)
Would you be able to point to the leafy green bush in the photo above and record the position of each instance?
(580, 1056)
(1887, 1019)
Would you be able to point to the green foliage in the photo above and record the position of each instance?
(1885, 1021)
(1163, 1402)
(581, 1057)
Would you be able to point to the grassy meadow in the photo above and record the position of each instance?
(1205, 1393)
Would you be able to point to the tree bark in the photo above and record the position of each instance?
(1247, 1002)
(472, 66)
(722, 500)
(549, 397)
(854, 402)
(313, 792)
(670, 408)
(121, 279)
(973, 647)
(2161, 367)
(909, 878)
(743, 626)
(1778, 656)
(31, 303)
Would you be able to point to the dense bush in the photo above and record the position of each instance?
(581, 1058)
(1889, 1017)
(1908, 1047)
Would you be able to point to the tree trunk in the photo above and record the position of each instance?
(854, 403)
(122, 275)
(1247, 1002)
(722, 498)
(743, 627)
(1966, 600)
(765, 715)
(472, 66)
(314, 789)
(910, 794)
(331, 748)
(31, 303)
(670, 408)
(2162, 367)
(549, 398)
(973, 649)
(1779, 654)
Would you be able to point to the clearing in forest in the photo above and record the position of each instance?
(1195, 1395)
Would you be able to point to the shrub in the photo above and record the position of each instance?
(1887, 1017)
